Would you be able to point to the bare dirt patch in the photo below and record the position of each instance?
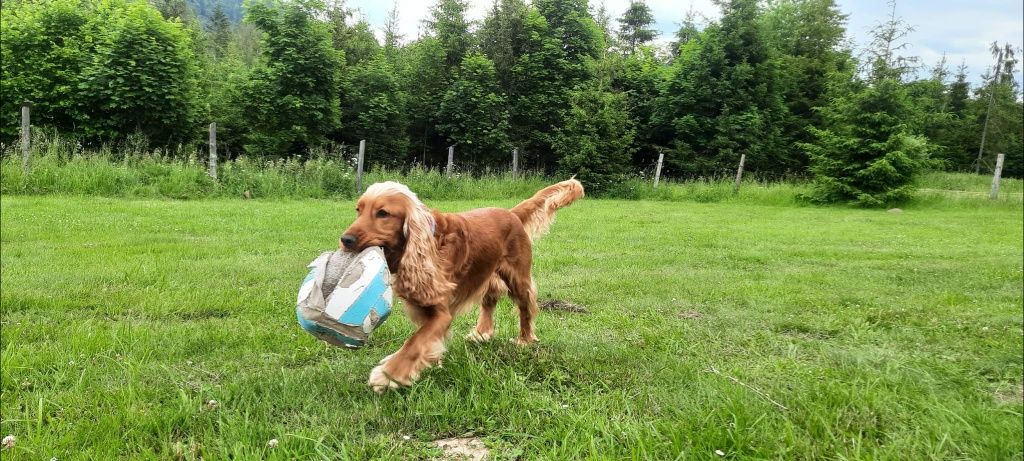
(463, 449)
(690, 315)
(564, 306)
(1010, 394)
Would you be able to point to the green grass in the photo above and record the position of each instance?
(885, 336)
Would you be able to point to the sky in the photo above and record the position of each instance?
(961, 29)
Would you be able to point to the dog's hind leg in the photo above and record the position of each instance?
(484, 329)
(523, 291)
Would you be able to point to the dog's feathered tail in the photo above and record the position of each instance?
(538, 212)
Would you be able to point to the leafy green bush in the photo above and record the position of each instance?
(374, 107)
(474, 114)
(596, 143)
(100, 68)
(292, 101)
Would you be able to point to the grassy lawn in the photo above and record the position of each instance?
(877, 335)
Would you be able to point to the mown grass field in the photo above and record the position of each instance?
(883, 336)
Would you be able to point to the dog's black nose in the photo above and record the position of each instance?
(348, 240)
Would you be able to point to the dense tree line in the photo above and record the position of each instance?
(575, 89)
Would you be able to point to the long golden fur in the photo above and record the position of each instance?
(443, 263)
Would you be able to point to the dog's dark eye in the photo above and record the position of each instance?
(382, 214)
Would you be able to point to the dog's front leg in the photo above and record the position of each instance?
(423, 349)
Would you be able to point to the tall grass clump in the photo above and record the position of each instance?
(966, 190)
(966, 182)
(713, 190)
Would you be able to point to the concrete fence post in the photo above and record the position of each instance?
(212, 168)
(26, 135)
(359, 166)
(739, 174)
(451, 160)
(657, 171)
(995, 177)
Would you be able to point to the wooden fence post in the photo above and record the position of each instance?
(657, 171)
(359, 166)
(212, 169)
(26, 135)
(451, 159)
(739, 174)
(515, 162)
(995, 178)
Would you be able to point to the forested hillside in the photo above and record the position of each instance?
(575, 88)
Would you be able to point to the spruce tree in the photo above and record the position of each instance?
(959, 91)
(868, 155)
(604, 24)
(999, 121)
(639, 77)
(807, 36)
(219, 31)
(449, 26)
(687, 32)
(960, 139)
(423, 76)
(502, 37)
(870, 149)
(635, 26)
(538, 92)
(392, 36)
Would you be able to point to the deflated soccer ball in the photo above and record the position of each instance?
(345, 296)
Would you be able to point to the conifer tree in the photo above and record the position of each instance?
(871, 150)
(635, 26)
(218, 29)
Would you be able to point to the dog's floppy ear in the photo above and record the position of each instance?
(419, 277)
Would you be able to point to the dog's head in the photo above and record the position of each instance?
(388, 215)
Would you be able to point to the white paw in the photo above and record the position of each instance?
(477, 337)
(385, 359)
(380, 382)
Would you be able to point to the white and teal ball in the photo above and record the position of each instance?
(345, 296)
